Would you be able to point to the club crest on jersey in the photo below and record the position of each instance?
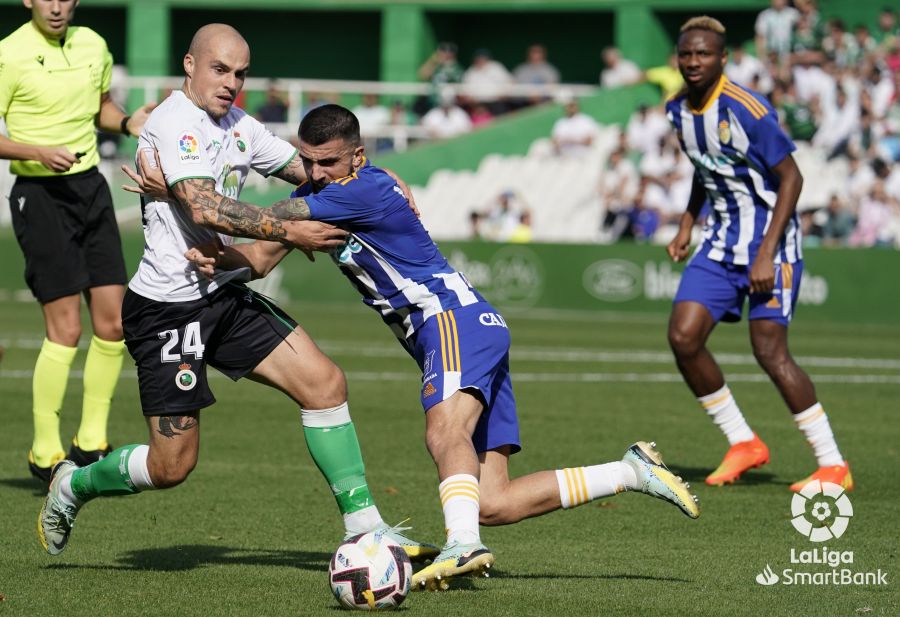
(185, 378)
(188, 148)
(724, 132)
(241, 145)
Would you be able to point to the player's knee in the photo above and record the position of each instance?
(493, 510)
(110, 330)
(683, 342)
(65, 333)
(333, 387)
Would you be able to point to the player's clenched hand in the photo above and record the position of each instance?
(205, 256)
(311, 236)
(149, 177)
(57, 158)
(679, 246)
(762, 275)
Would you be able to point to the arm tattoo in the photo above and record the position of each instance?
(172, 426)
(199, 199)
(292, 209)
(293, 172)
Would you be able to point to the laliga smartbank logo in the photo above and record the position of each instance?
(821, 511)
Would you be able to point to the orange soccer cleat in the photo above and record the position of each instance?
(836, 474)
(740, 457)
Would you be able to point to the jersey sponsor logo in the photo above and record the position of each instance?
(343, 253)
(491, 319)
(713, 163)
(429, 390)
(188, 148)
(724, 132)
(185, 378)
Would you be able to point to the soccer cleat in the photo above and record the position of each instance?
(455, 560)
(656, 480)
(417, 552)
(83, 458)
(836, 474)
(741, 457)
(57, 516)
(43, 473)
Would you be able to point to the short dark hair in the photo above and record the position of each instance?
(328, 122)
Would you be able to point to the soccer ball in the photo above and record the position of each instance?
(370, 571)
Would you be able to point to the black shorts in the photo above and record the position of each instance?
(232, 330)
(66, 226)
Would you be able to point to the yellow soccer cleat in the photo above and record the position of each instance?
(455, 560)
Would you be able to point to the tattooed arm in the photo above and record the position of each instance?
(199, 199)
(293, 172)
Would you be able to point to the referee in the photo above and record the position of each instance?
(54, 94)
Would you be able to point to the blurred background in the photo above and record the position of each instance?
(533, 133)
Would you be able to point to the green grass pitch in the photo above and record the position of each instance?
(251, 531)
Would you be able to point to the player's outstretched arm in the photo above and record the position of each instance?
(762, 272)
(260, 257)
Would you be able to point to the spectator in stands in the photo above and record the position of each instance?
(480, 115)
(645, 128)
(441, 68)
(888, 29)
(274, 109)
(806, 42)
(774, 29)
(860, 178)
(374, 118)
(619, 71)
(485, 82)
(618, 186)
(523, 233)
(836, 125)
(448, 119)
(746, 69)
(575, 132)
(837, 223)
(875, 212)
(864, 40)
(839, 45)
(475, 225)
(666, 77)
(658, 161)
(536, 71)
(400, 114)
(502, 217)
(642, 218)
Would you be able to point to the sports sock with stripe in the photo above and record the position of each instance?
(725, 413)
(579, 485)
(814, 425)
(123, 472)
(333, 444)
(102, 368)
(51, 375)
(460, 501)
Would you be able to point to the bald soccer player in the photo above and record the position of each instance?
(176, 322)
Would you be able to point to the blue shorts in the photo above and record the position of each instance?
(722, 289)
(468, 348)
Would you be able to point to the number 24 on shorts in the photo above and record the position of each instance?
(191, 343)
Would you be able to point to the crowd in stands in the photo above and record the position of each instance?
(836, 90)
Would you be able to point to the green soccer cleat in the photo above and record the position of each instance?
(656, 480)
(418, 552)
(57, 516)
(455, 560)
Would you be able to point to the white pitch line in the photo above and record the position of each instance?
(550, 377)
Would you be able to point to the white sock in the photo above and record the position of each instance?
(65, 491)
(137, 468)
(722, 408)
(459, 498)
(363, 521)
(578, 485)
(815, 427)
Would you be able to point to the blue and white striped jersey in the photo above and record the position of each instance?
(734, 142)
(389, 256)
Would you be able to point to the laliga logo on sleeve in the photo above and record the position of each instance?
(188, 148)
(821, 511)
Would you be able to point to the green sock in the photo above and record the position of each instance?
(102, 368)
(51, 375)
(107, 477)
(335, 449)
